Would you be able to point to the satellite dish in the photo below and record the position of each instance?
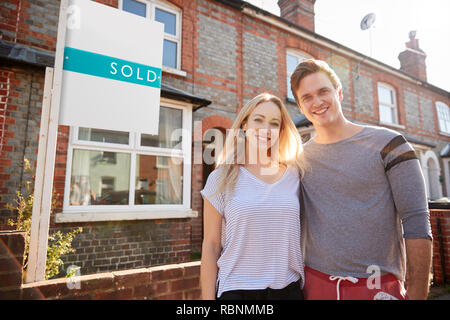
(368, 21)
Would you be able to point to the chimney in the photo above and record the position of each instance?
(412, 60)
(300, 12)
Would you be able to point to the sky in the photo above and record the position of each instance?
(339, 20)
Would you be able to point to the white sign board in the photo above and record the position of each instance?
(112, 69)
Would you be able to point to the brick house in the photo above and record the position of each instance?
(141, 208)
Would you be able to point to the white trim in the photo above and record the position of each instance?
(425, 156)
(438, 105)
(132, 176)
(444, 134)
(446, 163)
(392, 125)
(84, 216)
(300, 56)
(174, 71)
(132, 211)
(393, 105)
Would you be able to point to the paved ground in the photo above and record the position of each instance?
(444, 297)
(440, 293)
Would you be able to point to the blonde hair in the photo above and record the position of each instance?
(290, 144)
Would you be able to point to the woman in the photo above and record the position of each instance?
(251, 202)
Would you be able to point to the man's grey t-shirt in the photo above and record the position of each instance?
(362, 196)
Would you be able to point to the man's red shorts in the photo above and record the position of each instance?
(321, 286)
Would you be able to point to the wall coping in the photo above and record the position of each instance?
(113, 274)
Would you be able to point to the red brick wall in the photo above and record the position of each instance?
(174, 282)
(21, 91)
(300, 12)
(444, 216)
(12, 244)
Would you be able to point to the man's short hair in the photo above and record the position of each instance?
(310, 66)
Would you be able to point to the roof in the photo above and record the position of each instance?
(26, 54)
(301, 121)
(417, 141)
(170, 92)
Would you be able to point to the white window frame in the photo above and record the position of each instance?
(442, 109)
(150, 14)
(300, 55)
(393, 106)
(130, 211)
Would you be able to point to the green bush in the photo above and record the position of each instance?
(59, 243)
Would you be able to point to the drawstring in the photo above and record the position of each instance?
(351, 279)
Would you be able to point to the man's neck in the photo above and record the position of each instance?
(336, 132)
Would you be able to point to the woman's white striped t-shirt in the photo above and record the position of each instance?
(261, 246)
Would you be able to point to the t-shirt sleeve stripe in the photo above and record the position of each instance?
(410, 155)
(394, 143)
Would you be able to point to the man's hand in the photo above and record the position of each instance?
(418, 265)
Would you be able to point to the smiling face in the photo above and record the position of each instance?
(263, 126)
(319, 101)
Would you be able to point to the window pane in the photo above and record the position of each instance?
(169, 20)
(170, 54)
(135, 7)
(289, 91)
(442, 125)
(95, 181)
(99, 135)
(170, 120)
(443, 113)
(386, 114)
(291, 63)
(159, 180)
(385, 95)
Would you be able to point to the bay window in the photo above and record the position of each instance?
(113, 175)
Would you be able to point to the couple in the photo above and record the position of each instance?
(345, 217)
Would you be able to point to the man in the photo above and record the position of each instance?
(366, 219)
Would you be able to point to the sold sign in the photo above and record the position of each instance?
(99, 65)
(111, 72)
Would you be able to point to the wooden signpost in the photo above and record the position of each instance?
(89, 62)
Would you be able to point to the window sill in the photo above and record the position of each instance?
(83, 216)
(444, 134)
(392, 125)
(174, 71)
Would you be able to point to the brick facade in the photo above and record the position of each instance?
(169, 282)
(441, 245)
(12, 248)
(229, 55)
